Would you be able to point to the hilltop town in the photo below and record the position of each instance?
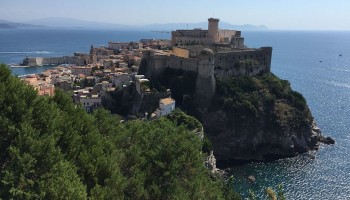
(123, 76)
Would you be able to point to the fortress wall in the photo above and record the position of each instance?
(206, 66)
(59, 60)
(191, 40)
(205, 90)
(190, 33)
(150, 102)
(243, 63)
(237, 42)
(227, 60)
(156, 63)
(38, 61)
(81, 61)
(159, 61)
(227, 33)
(188, 64)
(268, 57)
(205, 83)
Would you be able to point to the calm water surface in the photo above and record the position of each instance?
(309, 60)
(16, 44)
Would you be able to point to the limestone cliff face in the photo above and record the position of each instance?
(256, 143)
(259, 118)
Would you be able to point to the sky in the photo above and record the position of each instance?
(275, 14)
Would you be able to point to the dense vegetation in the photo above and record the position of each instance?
(180, 83)
(52, 149)
(266, 98)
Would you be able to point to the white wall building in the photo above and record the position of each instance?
(90, 102)
(166, 106)
(121, 79)
(106, 85)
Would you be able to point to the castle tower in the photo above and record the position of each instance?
(205, 83)
(213, 30)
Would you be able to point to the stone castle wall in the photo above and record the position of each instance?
(245, 62)
(191, 40)
(205, 83)
(38, 61)
(203, 66)
(224, 64)
(196, 36)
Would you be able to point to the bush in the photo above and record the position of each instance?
(248, 100)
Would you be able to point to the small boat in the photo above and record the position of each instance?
(340, 54)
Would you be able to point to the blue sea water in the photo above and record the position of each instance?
(309, 60)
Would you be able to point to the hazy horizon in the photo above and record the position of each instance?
(276, 15)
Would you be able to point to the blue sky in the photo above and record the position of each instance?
(276, 14)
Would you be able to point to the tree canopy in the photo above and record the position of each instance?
(51, 148)
(267, 98)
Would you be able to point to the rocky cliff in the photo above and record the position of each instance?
(259, 118)
(233, 145)
(249, 118)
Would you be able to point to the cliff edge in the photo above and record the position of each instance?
(259, 118)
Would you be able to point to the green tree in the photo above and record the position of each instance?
(52, 149)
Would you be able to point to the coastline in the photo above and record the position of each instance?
(314, 81)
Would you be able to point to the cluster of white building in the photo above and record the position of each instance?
(112, 68)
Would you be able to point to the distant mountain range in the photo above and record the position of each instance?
(8, 24)
(74, 23)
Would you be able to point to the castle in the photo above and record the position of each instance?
(207, 37)
(211, 54)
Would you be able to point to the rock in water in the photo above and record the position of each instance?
(251, 178)
(327, 140)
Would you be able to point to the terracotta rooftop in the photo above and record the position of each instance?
(167, 101)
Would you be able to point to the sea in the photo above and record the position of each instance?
(317, 64)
